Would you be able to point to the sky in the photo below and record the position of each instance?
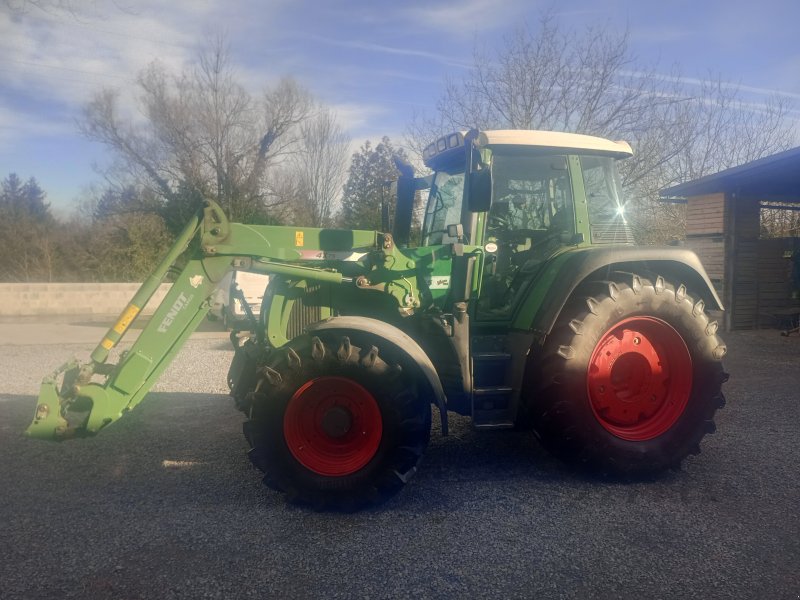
(376, 63)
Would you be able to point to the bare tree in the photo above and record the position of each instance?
(552, 79)
(203, 135)
(589, 82)
(319, 169)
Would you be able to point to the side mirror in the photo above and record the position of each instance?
(405, 189)
(479, 184)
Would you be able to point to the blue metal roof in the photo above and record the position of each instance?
(776, 177)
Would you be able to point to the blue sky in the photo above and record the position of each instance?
(375, 62)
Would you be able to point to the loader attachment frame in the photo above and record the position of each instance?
(80, 399)
(72, 402)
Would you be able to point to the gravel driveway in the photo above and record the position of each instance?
(164, 504)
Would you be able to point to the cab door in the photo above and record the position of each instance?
(532, 218)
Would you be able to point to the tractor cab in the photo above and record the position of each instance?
(523, 197)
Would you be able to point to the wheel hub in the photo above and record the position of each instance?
(333, 426)
(639, 378)
(337, 421)
(630, 375)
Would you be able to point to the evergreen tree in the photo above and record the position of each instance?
(24, 200)
(27, 248)
(366, 190)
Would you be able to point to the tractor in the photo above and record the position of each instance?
(526, 305)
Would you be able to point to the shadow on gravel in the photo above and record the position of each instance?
(183, 432)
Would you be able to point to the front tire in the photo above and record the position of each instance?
(335, 423)
(630, 377)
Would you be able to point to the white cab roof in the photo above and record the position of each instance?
(553, 139)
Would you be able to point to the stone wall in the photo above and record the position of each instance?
(85, 299)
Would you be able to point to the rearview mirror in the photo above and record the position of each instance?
(479, 194)
(478, 184)
(405, 189)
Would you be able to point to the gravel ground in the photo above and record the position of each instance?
(165, 505)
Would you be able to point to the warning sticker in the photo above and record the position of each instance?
(343, 255)
(127, 317)
(298, 238)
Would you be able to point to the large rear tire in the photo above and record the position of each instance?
(337, 423)
(630, 377)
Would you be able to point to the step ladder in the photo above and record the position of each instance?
(491, 396)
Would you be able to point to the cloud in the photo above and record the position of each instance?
(371, 47)
(661, 35)
(17, 124)
(460, 18)
(67, 58)
(54, 62)
(354, 116)
(727, 85)
(59, 61)
(580, 12)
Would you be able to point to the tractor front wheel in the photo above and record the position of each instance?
(337, 423)
(630, 377)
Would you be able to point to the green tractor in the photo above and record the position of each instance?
(525, 305)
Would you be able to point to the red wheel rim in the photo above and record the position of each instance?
(332, 426)
(639, 378)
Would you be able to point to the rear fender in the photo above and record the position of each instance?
(679, 265)
(400, 343)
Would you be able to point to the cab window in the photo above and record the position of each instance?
(444, 207)
(607, 221)
(531, 193)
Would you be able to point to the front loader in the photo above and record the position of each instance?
(526, 305)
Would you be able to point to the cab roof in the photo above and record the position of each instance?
(554, 139)
(449, 148)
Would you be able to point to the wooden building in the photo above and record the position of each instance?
(756, 275)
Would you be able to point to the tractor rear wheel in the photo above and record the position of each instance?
(335, 423)
(630, 377)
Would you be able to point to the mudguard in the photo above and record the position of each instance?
(401, 343)
(677, 264)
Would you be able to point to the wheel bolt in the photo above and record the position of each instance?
(637, 341)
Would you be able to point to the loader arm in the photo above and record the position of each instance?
(80, 399)
(81, 405)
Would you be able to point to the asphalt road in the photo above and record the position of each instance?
(164, 504)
